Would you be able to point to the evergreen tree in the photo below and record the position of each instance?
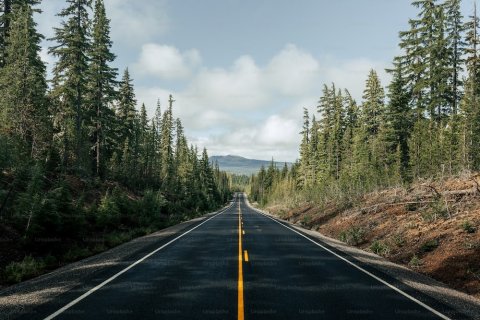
(70, 80)
(470, 105)
(126, 111)
(373, 108)
(304, 149)
(456, 48)
(5, 9)
(399, 120)
(23, 103)
(336, 146)
(102, 82)
(166, 145)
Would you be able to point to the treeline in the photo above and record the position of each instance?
(76, 157)
(426, 124)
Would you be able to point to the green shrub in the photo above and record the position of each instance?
(117, 238)
(429, 245)
(415, 261)
(439, 209)
(468, 227)
(150, 208)
(306, 220)
(399, 240)
(411, 206)
(27, 268)
(99, 248)
(380, 248)
(76, 253)
(108, 212)
(428, 216)
(353, 236)
(50, 261)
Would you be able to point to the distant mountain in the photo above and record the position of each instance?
(240, 165)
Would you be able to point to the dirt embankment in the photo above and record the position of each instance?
(432, 227)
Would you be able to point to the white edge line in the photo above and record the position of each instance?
(441, 315)
(86, 294)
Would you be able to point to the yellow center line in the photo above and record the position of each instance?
(240, 314)
(245, 253)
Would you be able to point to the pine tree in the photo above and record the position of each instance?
(456, 48)
(5, 9)
(126, 111)
(351, 117)
(373, 108)
(419, 45)
(23, 102)
(313, 152)
(470, 105)
(70, 80)
(352, 124)
(399, 120)
(102, 82)
(338, 133)
(166, 144)
(207, 180)
(304, 149)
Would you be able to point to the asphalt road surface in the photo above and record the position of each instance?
(241, 264)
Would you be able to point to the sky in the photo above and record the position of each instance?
(241, 71)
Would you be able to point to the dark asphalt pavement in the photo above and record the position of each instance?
(286, 277)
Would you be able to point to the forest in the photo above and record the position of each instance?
(81, 169)
(424, 124)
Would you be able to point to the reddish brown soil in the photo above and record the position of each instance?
(406, 222)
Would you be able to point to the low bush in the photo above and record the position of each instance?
(429, 246)
(353, 236)
(76, 253)
(468, 227)
(415, 262)
(399, 240)
(27, 268)
(380, 248)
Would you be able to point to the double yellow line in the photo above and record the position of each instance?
(241, 306)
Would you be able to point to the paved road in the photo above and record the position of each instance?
(266, 271)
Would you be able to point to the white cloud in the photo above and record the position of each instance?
(167, 62)
(131, 24)
(249, 109)
(134, 24)
(278, 131)
(352, 74)
(240, 86)
(276, 137)
(292, 71)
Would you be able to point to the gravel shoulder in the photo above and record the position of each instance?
(405, 278)
(22, 299)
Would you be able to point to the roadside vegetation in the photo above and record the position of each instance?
(81, 169)
(396, 173)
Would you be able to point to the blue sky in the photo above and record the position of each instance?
(242, 70)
